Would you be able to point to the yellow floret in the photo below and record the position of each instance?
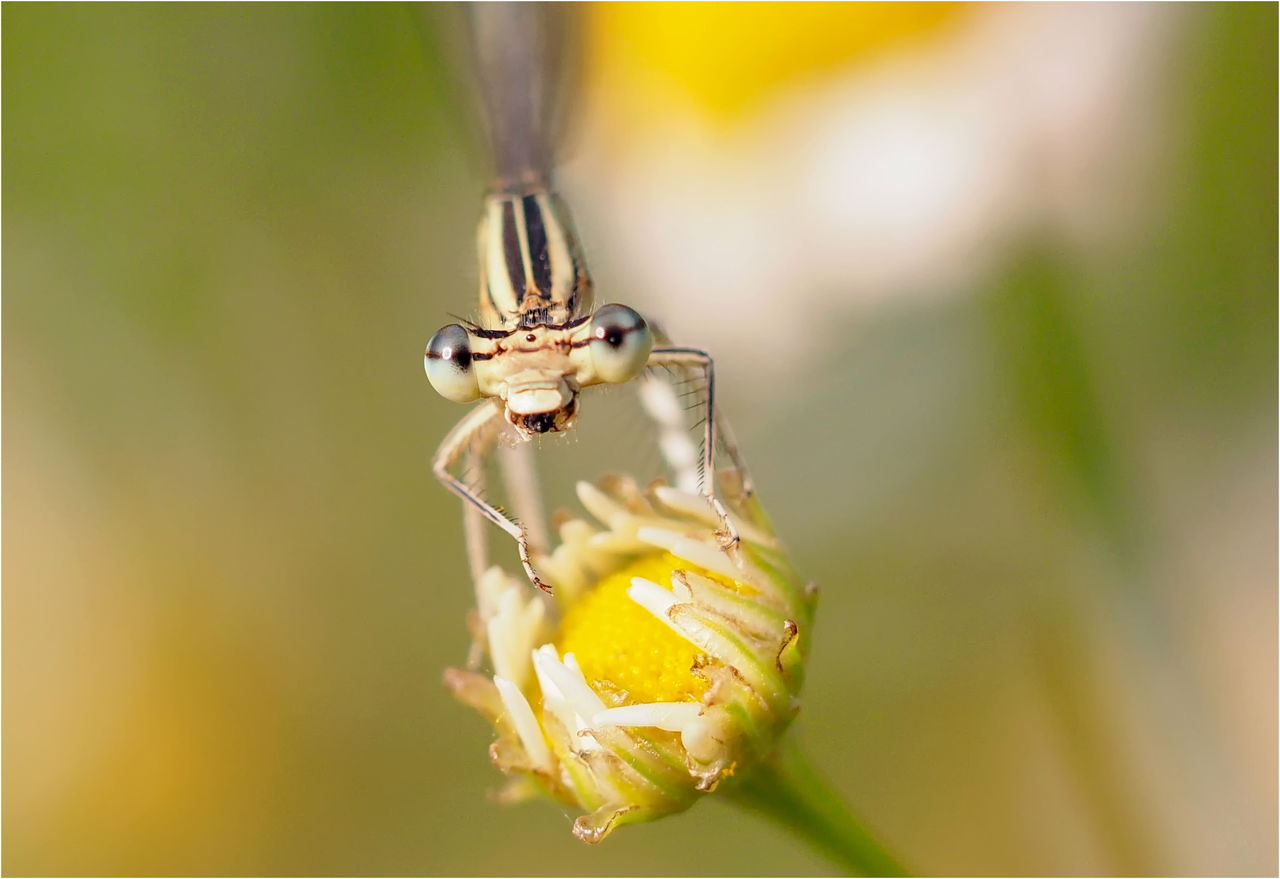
(625, 653)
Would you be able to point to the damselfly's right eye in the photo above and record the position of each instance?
(448, 363)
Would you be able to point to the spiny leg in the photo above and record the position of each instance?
(461, 438)
(694, 358)
(474, 527)
(746, 486)
(470, 439)
(475, 532)
(520, 477)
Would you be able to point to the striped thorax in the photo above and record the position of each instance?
(531, 269)
(537, 343)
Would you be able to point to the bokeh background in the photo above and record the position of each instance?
(994, 293)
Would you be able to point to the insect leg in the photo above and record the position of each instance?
(746, 487)
(470, 429)
(473, 524)
(520, 476)
(697, 359)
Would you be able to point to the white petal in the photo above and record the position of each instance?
(526, 724)
(490, 587)
(657, 601)
(565, 691)
(695, 506)
(552, 699)
(671, 716)
(599, 504)
(616, 544)
(704, 738)
(695, 552)
(576, 689)
(501, 649)
(651, 597)
(514, 629)
(575, 532)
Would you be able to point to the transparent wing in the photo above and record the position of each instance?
(524, 65)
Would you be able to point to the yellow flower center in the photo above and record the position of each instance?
(626, 653)
(727, 59)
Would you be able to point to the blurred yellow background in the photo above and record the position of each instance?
(1039, 491)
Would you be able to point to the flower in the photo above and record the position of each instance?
(665, 663)
(856, 155)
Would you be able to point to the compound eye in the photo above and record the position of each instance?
(448, 363)
(620, 343)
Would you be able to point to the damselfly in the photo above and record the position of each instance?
(538, 342)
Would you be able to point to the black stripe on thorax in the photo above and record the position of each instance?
(488, 334)
(539, 255)
(511, 250)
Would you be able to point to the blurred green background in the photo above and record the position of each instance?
(1043, 513)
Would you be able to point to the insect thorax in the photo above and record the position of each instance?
(531, 268)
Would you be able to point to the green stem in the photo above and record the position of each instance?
(786, 789)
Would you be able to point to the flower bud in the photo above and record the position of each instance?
(669, 659)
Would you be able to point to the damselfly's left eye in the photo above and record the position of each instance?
(448, 363)
(620, 343)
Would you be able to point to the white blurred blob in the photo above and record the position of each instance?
(908, 176)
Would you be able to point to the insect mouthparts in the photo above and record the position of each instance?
(540, 423)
